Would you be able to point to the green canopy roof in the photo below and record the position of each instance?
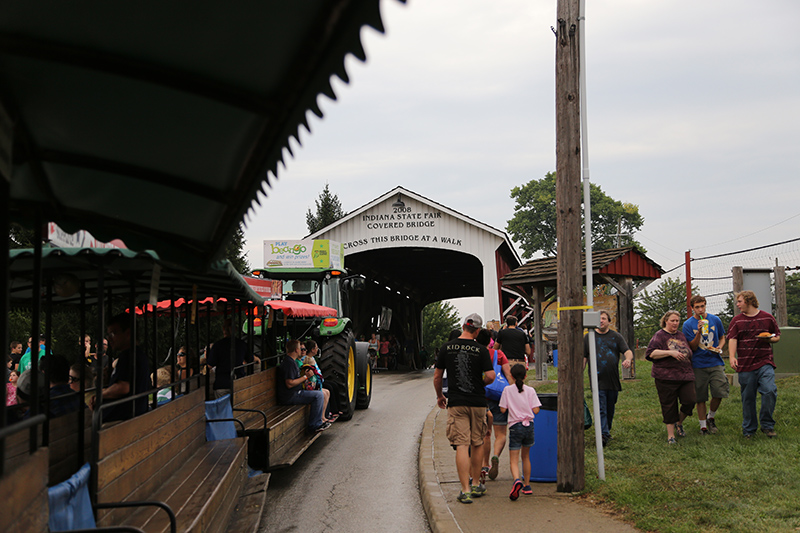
(122, 269)
(157, 122)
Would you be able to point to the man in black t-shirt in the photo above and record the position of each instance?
(220, 359)
(127, 379)
(469, 370)
(608, 346)
(513, 342)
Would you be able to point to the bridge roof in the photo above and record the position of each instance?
(401, 191)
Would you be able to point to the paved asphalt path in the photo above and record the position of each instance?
(360, 475)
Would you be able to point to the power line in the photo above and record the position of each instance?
(744, 251)
(750, 234)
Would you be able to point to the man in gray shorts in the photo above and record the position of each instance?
(706, 336)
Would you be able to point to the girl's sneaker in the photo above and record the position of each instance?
(527, 489)
(464, 497)
(515, 490)
(484, 473)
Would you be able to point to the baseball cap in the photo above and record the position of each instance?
(474, 320)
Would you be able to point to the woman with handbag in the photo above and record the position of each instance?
(499, 420)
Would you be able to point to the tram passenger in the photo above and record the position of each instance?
(119, 337)
(63, 399)
(75, 381)
(184, 366)
(290, 387)
(331, 390)
(22, 410)
(163, 379)
(92, 358)
(185, 355)
(219, 358)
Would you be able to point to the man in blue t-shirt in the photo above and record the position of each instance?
(706, 336)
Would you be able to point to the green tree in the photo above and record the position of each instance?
(670, 294)
(728, 312)
(19, 236)
(793, 299)
(329, 210)
(534, 222)
(235, 253)
(438, 320)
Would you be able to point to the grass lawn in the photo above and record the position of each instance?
(715, 483)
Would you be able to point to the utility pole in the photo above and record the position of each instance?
(781, 310)
(570, 475)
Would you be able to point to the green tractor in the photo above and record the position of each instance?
(342, 359)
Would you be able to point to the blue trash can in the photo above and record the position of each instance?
(555, 358)
(544, 452)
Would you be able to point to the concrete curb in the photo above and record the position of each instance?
(440, 518)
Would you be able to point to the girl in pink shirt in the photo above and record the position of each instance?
(522, 404)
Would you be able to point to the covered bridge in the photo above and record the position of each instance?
(416, 251)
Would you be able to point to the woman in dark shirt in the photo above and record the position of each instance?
(672, 371)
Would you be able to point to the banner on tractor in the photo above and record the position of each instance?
(309, 253)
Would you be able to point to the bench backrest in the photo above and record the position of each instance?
(63, 456)
(23, 492)
(256, 391)
(139, 455)
(64, 460)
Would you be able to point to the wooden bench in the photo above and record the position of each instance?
(285, 437)
(163, 456)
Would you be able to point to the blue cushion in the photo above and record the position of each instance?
(215, 409)
(70, 506)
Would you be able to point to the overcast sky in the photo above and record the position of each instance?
(693, 110)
